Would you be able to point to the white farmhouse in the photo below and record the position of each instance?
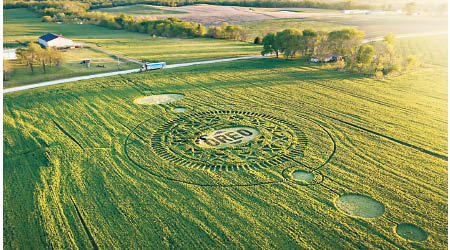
(55, 41)
(9, 54)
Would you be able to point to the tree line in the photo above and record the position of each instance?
(338, 5)
(345, 46)
(410, 7)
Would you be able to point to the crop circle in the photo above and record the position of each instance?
(411, 232)
(276, 141)
(302, 175)
(170, 150)
(360, 206)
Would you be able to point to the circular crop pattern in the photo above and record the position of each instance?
(303, 175)
(360, 206)
(411, 232)
(233, 140)
(252, 148)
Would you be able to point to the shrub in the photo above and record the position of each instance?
(46, 19)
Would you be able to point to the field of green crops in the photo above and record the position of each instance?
(87, 168)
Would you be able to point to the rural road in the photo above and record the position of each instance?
(73, 79)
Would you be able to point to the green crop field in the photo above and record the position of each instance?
(138, 10)
(173, 50)
(87, 167)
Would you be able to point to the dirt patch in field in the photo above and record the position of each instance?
(215, 14)
(158, 99)
(302, 175)
(179, 109)
(360, 206)
(411, 232)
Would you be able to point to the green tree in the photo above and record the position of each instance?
(46, 19)
(214, 32)
(345, 41)
(290, 41)
(30, 55)
(365, 54)
(270, 45)
(309, 39)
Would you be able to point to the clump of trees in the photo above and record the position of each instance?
(345, 45)
(228, 31)
(33, 54)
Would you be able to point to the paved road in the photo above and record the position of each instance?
(37, 85)
(73, 79)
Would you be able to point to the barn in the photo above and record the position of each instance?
(55, 41)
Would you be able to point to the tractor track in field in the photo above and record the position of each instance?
(86, 229)
(437, 155)
(67, 134)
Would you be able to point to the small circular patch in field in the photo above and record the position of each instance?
(302, 175)
(158, 99)
(179, 109)
(360, 206)
(411, 232)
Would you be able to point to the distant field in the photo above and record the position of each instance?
(138, 10)
(372, 25)
(260, 27)
(379, 25)
(431, 49)
(86, 167)
(208, 15)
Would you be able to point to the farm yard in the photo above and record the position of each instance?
(334, 159)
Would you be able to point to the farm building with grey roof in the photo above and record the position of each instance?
(55, 41)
